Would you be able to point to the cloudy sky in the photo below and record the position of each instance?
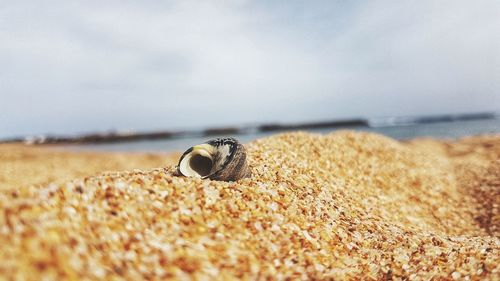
(83, 66)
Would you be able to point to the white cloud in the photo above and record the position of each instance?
(96, 65)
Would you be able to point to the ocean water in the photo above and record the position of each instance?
(444, 130)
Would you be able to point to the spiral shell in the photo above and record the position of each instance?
(221, 159)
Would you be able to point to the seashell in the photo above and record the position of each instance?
(221, 159)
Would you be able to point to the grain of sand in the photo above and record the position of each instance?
(345, 206)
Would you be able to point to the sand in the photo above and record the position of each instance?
(345, 206)
(22, 165)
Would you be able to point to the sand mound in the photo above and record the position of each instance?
(343, 206)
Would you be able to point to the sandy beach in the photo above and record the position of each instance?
(342, 206)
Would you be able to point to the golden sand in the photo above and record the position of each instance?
(22, 165)
(342, 206)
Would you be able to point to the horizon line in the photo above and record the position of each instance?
(130, 136)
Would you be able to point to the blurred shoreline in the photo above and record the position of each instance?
(372, 124)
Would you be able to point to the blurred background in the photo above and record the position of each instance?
(80, 67)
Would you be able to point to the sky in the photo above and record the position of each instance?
(70, 67)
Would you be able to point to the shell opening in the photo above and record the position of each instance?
(200, 164)
(197, 163)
